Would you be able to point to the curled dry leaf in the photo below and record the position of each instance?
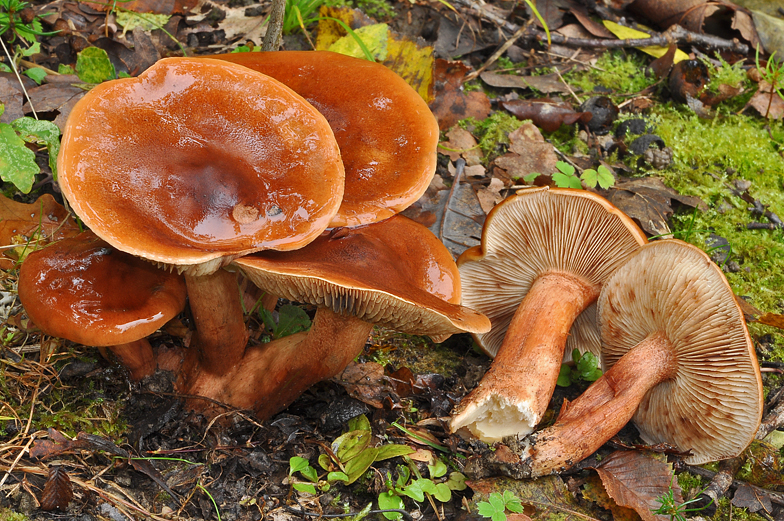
(546, 114)
(57, 491)
(451, 103)
(636, 480)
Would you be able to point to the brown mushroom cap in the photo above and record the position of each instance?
(386, 132)
(84, 290)
(537, 231)
(200, 160)
(713, 404)
(393, 273)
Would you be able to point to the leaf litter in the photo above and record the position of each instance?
(237, 466)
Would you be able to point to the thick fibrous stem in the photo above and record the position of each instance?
(220, 338)
(137, 357)
(515, 392)
(604, 408)
(273, 375)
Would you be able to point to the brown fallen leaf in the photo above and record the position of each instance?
(746, 497)
(451, 103)
(528, 153)
(490, 195)
(366, 382)
(637, 480)
(32, 226)
(595, 492)
(546, 83)
(57, 490)
(767, 102)
(150, 6)
(752, 314)
(545, 113)
(461, 143)
(54, 98)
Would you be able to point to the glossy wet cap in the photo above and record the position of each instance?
(386, 132)
(393, 273)
(86, 291)
(537, 231)
(713, 406)
(197, 161)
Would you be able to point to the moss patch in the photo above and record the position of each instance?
(619, 71)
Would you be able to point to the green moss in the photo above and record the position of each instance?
(623, 73)
(10, 515)
(690, 484)
(492, 132)
(726, 512)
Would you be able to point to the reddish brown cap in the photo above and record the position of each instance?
(84, 290)
(542, 230)
(393, 273)
(198, 161)
(713, 405)
(386, 132)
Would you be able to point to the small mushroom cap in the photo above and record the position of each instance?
(386, 132)
(200, 160)
(537, 231)
(393, 273)
(713, 406)
(84, 290)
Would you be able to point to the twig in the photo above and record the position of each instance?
(303, 512)
(275, 28)
(501, 50)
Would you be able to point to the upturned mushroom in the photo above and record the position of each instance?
(195, 163)
(84, 290)
(394, 273)
(679, 362)
(386, 132)
(544, 256)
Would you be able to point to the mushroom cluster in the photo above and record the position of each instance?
(679, 361)
(198, 163)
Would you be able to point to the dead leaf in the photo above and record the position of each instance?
(490, 195)
(548, 495)
(546, 83)
(150, 6)
(594, 491)
(54, 98)
(747, 497)
(461, 143)
(595, 28)
(545, 113)
(57, 490)
(649, 202)
(528, 153)
(365, 382)
(661, 66)
(767, 102)
(451, 103)
(765, 465)
(43, 221)
(636, 480)
(454, 215)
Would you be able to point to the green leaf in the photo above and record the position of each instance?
(324, 462)
(403, 473)
(437, 469)
(389, 500)
(563, 180)
(296, 464)
(528, 178)
(497, 500)
(414, 490)
(393, 450)
(512, 502)
(33, 49)
(359, 423)
(36, 74)
(605, 177)
(375, 38)
(564, 377)
(305, 487)
(291, 319)
(590, 177)
(309, 473)
(442, 493)
(499, 516)
(351, 444)
(65, 69)
(41, 132)
(93, 66)
(456, 481)
(427, 485)
(565, 167)
(17, 162)
(486, 509)
(147, 21)
(337, 476)
(357, 466)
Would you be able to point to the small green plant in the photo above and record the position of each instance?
(11, 19)
(291, 319)
(497, 504)
(773, 74)
(17, 162)
(299, 13)
(411, 484)
(670, 507)
(566, 177)
(301, 465)
(586, 368)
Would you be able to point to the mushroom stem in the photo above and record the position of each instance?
(221, 335)
(137, 357)
(273, 375)
(598, 414)
(515, 391)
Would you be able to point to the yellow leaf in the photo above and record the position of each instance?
(627, 33)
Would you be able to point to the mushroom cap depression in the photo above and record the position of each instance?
(713, 405)
(393, 273)
(198, 161)
(537, 231)
(386, 132)
(84, 290)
